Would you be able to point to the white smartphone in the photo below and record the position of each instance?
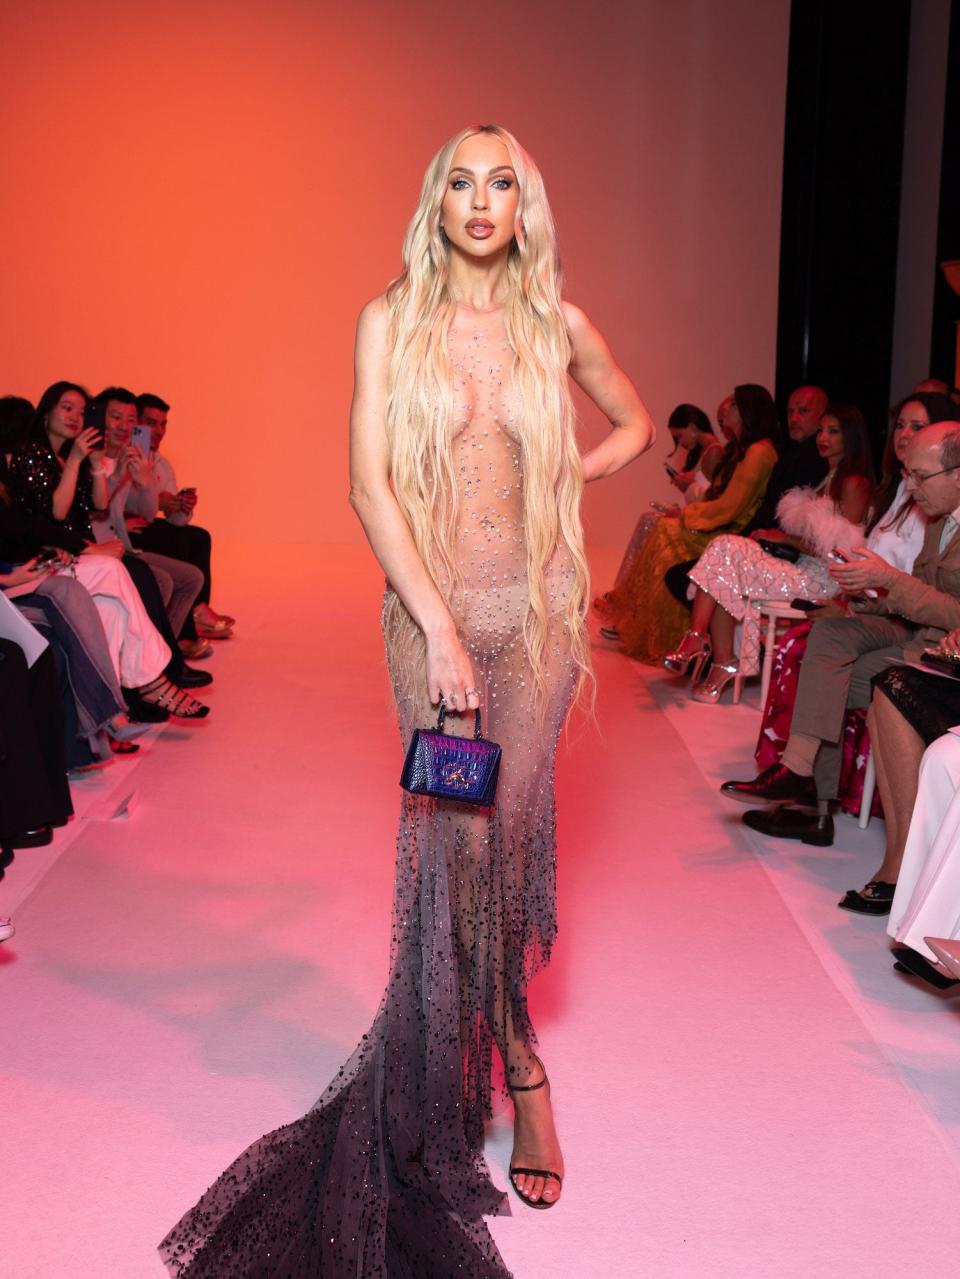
(141, 438)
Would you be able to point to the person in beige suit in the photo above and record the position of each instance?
(911, 612)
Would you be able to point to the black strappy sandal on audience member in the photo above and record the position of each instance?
(167, 697)
(533, 1172)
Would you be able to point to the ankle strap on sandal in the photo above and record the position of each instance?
(530, 1087)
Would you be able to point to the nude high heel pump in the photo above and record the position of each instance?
(721, 673)
(694, 651)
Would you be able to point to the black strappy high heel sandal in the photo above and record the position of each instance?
(533, 1172)
(172, 699)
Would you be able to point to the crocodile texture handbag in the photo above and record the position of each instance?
(464, 769)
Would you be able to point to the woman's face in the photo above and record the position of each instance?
(830, 440)
(913, 417)
(687, 437)
(479, 210)
(729, 419)
(65, 419)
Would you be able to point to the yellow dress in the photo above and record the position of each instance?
(651, 622)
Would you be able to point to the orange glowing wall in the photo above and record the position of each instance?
(198, 197)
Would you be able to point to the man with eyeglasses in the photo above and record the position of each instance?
(910, 612)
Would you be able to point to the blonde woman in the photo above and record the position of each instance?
(467, 480)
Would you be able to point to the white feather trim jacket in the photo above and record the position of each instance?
(812, 515)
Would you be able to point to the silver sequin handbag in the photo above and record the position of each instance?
(464, 769)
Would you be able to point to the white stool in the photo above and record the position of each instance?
(775, 613)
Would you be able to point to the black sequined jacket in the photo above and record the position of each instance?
(35, 474)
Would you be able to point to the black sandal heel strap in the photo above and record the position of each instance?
(526, 1087)
(530, 1087)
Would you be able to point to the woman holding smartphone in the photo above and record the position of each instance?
(60, 475)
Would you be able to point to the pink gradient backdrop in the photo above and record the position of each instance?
(200, 197)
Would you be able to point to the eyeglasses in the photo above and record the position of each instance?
(913, 478)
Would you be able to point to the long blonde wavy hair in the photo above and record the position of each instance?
(419, 416)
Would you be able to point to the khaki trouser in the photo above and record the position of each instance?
(843, 655)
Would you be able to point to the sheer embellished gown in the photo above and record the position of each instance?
(385, 1175)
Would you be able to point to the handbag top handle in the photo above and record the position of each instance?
(442, 714)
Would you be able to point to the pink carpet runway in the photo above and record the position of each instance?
(744, 1087)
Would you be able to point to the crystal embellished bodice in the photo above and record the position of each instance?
(491, 547)
(486, 452)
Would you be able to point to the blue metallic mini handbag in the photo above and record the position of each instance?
(446, 767)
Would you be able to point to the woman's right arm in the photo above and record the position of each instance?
(449, 670)
(66, 490)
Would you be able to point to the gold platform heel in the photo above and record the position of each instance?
(694, 651)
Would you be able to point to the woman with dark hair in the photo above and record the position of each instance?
(896, 524)
(692, 464)
(737, 573)
(697, 450)
(646, 618)
(60, 476)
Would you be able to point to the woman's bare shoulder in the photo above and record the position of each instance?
(577, 321)
(372, 325)
(375, 314)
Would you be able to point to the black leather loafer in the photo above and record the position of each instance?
(38, 838)
(775, 784)
(189, 677)
(790, 823)
(911, 961)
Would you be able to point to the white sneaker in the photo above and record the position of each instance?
(6, 929)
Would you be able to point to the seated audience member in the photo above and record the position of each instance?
(128, 472)
(909, 711)
(695, 457)
(60, 476)
(912, 611)
(926, 902)
(176, 535)
(735, 573)
(646, 618)
(895, 531)
(16, 416)
(698, 452)
(94, 713)
(34, 794)
(938, 387)
(798, 466)
(45, 479)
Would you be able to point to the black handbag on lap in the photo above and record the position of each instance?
(782, 550)
(447, 767)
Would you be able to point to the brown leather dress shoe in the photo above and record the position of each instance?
(776, 785)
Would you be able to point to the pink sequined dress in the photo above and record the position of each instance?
(385, 1176)
(740, 575)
